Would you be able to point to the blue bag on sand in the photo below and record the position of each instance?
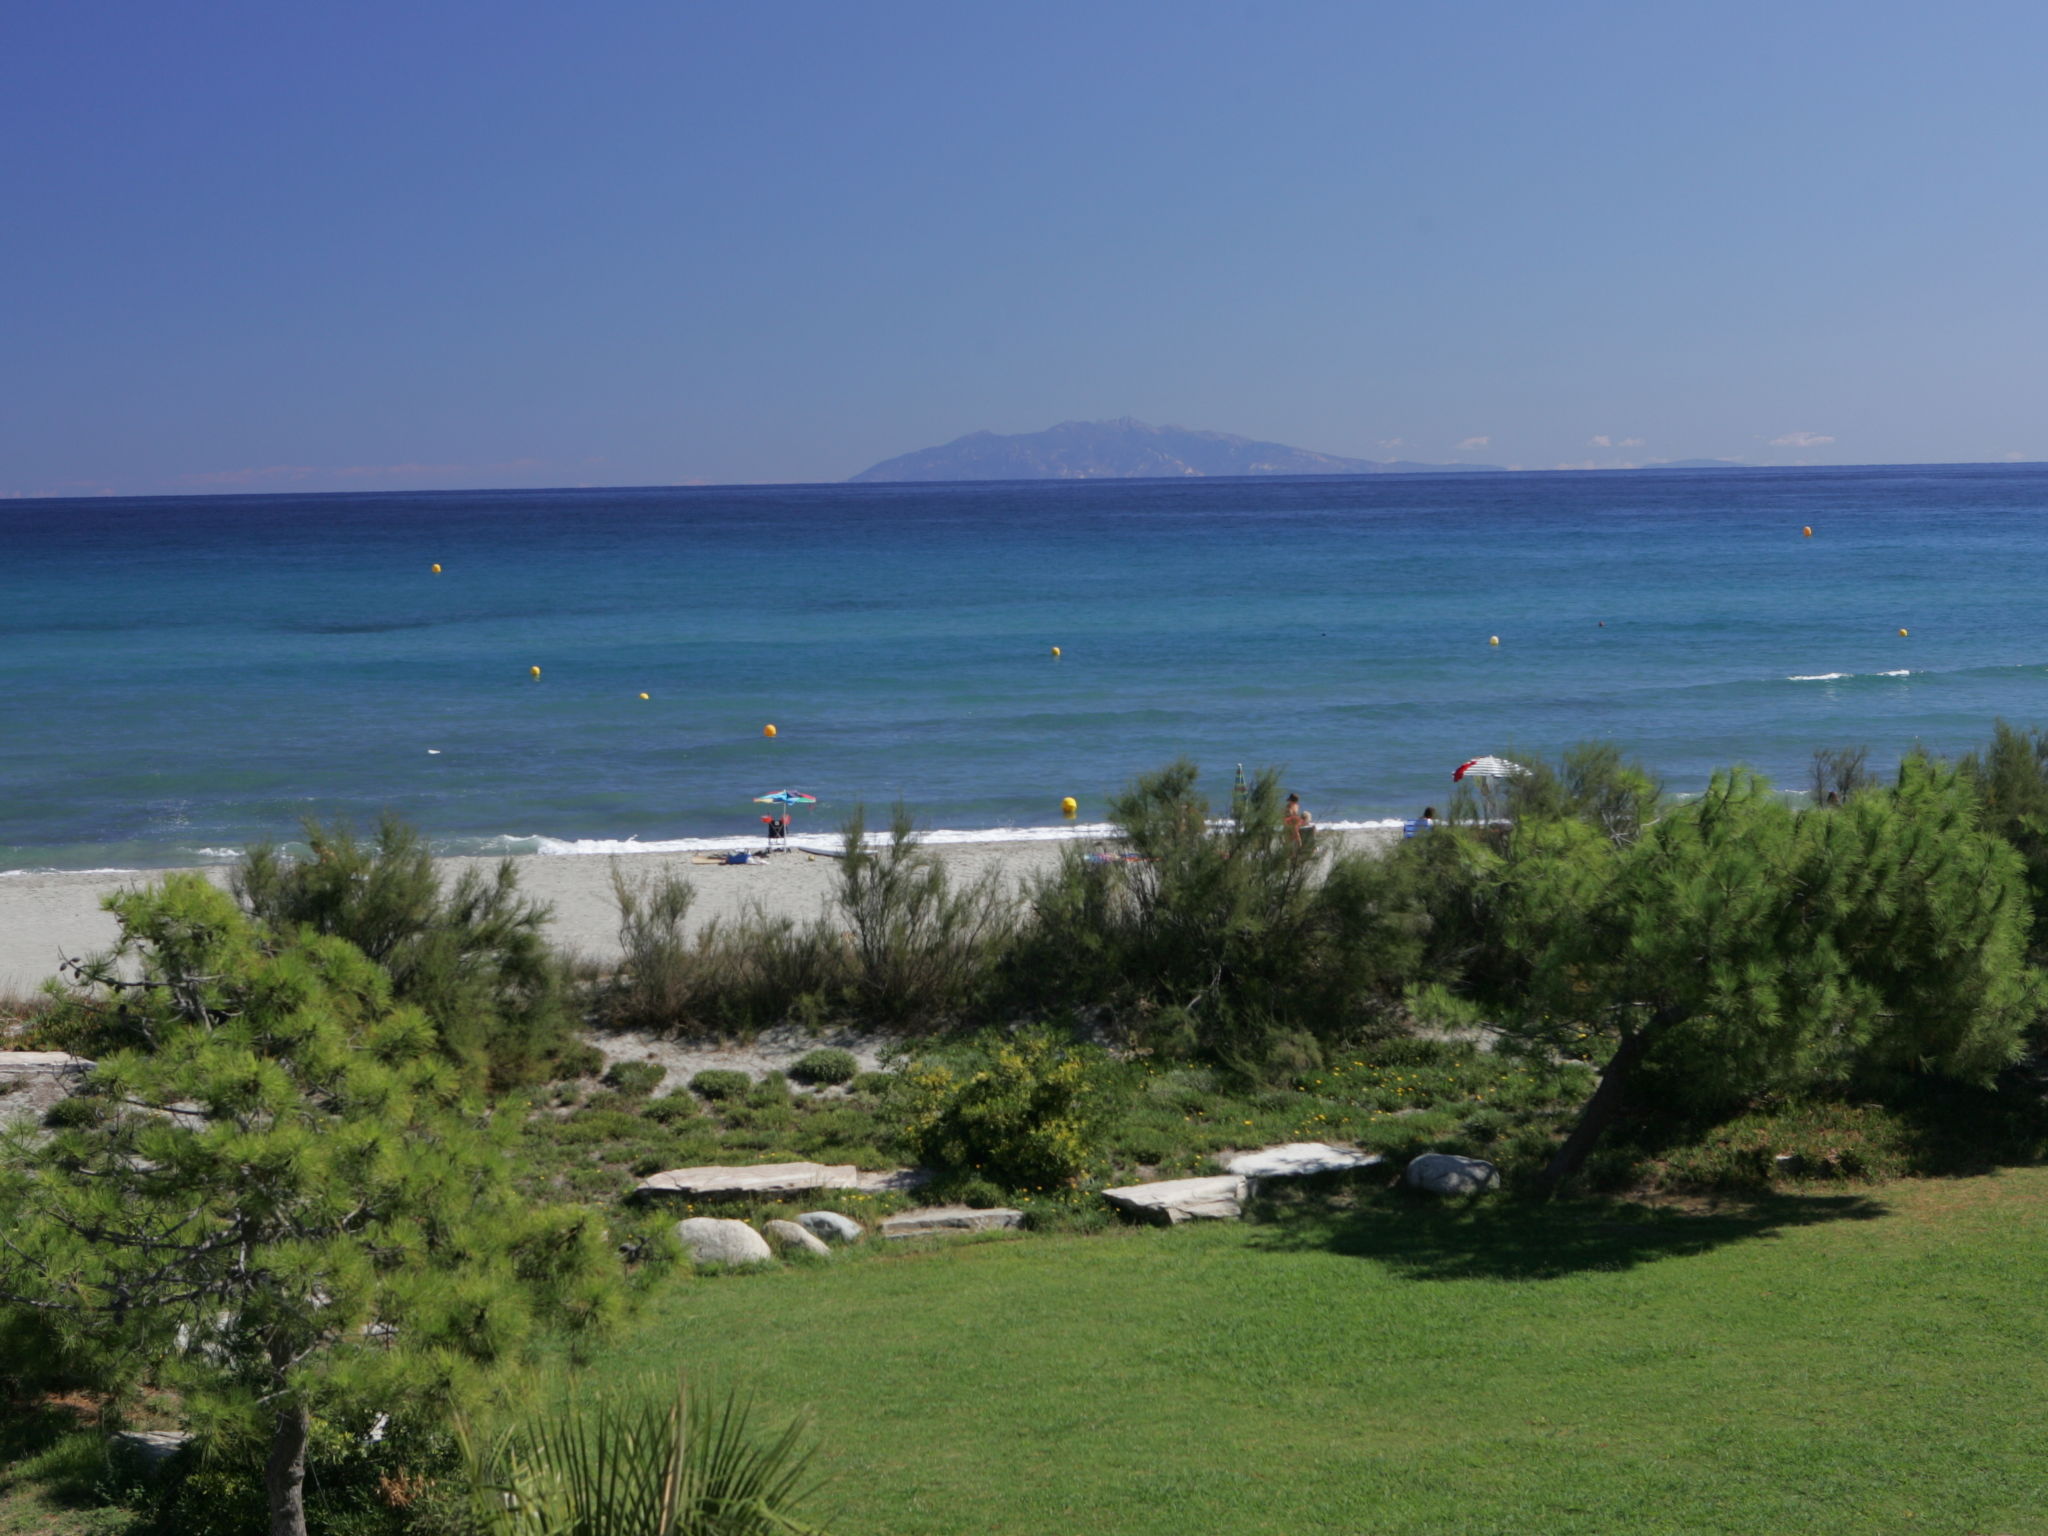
(738, 858)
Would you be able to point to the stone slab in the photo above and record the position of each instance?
(951, 1218)
(150, 1448)
(1298, 1159)
(33, 1081)
(756, 1179)
(1172, 1201)
(899, 1179)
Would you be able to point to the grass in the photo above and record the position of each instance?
(584, 1141)
(581, 1141)
(1840, 1363)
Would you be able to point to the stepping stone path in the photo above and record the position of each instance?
(713, 1240)
(832, 1226)
(759, 1179)
(1441, 1173)
(951, 1218)
(791, 1238)
(1173, 1201)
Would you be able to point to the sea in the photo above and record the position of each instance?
(182, 678)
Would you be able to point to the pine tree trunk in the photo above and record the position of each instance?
(1605, 1104)
(284, 1473)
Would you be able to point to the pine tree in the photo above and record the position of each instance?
(1743, 945)
(272, 1193)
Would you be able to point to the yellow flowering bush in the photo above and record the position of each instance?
(1024, 1112)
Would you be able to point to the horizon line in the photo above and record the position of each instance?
(1449, 471)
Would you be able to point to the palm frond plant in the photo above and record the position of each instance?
(645, 1463)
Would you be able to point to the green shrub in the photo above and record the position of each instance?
(735, 977)
(921, 950)
(473, 957)
(1028, 1112)
(719, 1083)
(825, 1067)
(635, 1079)
(771, 1090)
(874, 1084)
(78, 1110)
(1223, 939)
(579, 1059)
(978, 1193)
(672, 1108)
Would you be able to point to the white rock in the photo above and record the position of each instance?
(1172, 1201)
(787, 1235)
(1441, 1173)
(758, 1179)
(951, 1218)
(1298, 1159)
(713, 1240)
(832, 1226)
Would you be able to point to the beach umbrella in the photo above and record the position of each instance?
(1486, 768)
(786, 798)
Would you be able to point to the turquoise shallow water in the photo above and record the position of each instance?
(180, 677)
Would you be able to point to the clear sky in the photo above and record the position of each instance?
(273, 246)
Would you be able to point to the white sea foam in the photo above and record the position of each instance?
(1902, 672)
(1820, 677)
(556, 847)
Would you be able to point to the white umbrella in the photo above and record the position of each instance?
(1486, 768)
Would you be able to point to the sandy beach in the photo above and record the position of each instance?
(45, 916)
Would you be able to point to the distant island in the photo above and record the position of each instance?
(1127, 450)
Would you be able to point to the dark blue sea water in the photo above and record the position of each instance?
(180, 677)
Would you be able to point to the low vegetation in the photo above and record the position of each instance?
(381, 1087)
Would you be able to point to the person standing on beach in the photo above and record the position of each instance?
(1296, 818)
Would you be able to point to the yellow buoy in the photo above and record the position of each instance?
(437, 570)
(1493, 639)
(536, 673)
(1902, 633)
(1055, 653)
(1807, 531)
(767, 730)
(1069, 806)
(643, 695)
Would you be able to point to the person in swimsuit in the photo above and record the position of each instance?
(1296, 818)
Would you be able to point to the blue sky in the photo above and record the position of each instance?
(264, 247)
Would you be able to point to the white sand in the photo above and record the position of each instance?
(45, 917)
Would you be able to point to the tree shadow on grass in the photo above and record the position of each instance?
(1422, 1238)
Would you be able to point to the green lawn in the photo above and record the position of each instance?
(1870, 1362)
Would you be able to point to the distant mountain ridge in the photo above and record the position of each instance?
(1126, 450)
